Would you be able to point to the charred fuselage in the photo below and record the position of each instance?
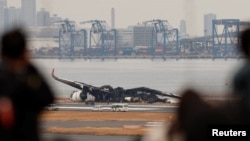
(107, 93)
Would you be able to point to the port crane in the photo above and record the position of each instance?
(71, 40)
(225, 36)
(163, 35)
(102, 38)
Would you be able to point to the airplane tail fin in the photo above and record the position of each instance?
(67, 82)
(52, 73)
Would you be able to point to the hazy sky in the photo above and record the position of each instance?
(131, 12)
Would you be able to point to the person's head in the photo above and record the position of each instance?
(190, 106)
(13, 44)
(245, 42)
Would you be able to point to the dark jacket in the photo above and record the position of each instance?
(29, 93)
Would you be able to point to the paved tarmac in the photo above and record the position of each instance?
(68, 137)
(131, 107)
(71, 124)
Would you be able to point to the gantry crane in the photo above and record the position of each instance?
(72, 42)
(103, 38)
(225, 36)
(164, 35)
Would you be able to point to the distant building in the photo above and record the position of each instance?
(124, 38)
(43, 18)
(142, 36)
(14, 15)
(113, 18)
(183, 29)
(3, 6)
(55, 19)
(208, 27)
(3, 3)
(29, 12)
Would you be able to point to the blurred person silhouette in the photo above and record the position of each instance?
(23, 91)
(183, 128)
(241, 80)
(190, 106)
(194, 116)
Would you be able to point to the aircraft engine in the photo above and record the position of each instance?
(77, 96)
(172, 100)
(128, 99)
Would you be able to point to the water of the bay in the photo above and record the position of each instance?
(209, 76)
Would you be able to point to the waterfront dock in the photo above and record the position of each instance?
(177, 57)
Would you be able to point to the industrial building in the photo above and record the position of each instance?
(142, 36)
(3, 6)
(28, 8)
(208, 27)
(13, 16)
(183, 29)
(124, 38)
(43, 18)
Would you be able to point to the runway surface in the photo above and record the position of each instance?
(68, 137)
(107, 107)
(71, 124)
(131, 107)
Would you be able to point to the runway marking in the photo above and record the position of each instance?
(133, 108)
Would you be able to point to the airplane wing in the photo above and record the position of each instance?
(151, 91)
(75, 84)
(67, 82)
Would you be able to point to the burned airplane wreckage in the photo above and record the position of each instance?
(107, 93)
